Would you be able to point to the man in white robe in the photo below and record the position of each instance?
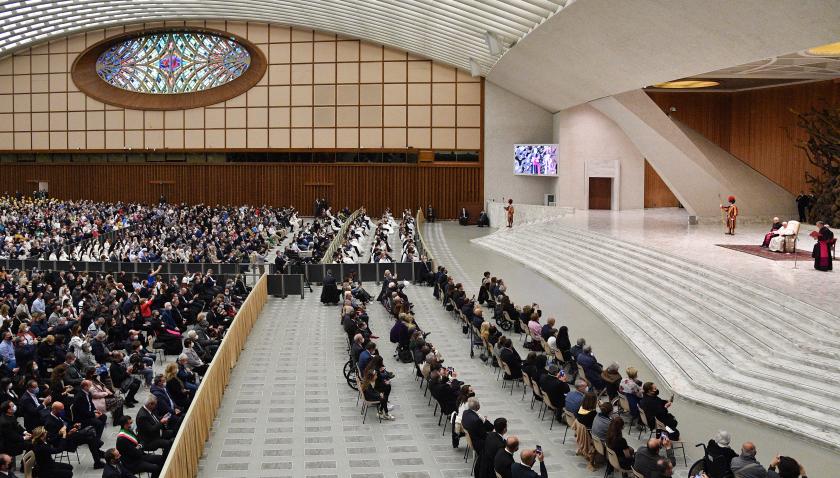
(777, 244)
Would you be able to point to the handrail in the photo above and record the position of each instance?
(339, 236)
(188, 446)
(420, 220)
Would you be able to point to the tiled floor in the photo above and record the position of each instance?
(284, 416)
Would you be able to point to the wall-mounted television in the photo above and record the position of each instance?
(535, 159)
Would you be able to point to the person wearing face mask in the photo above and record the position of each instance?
(7, 351)
(32, 409)
(12, 436)
(134, 457)
(657, 409)
(7, 392)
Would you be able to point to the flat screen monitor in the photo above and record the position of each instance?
(535, 159)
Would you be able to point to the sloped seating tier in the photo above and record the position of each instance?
(713, 338)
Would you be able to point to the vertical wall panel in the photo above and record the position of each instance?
(376, 186)
(756, 126)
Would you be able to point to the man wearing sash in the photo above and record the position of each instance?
(133, 457)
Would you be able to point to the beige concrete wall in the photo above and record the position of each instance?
(508, 120)
(586, 134)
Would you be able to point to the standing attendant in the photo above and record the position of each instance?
(803, 203)
(510, 210)
(822, 249)
(731, 215)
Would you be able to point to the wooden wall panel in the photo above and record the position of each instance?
(657, 193)
(756, 126)
(376, 186)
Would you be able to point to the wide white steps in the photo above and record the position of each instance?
(715, 339)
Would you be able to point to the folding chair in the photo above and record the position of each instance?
(677, 445)
(570, 420)
(366, 405)
(612, 459)
(549, 406)
(28, 463)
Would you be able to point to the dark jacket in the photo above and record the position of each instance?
(116, 471)
(503, 462)
(477, 427)
(148, 426)
(492, 444)
(518, 470)
(556, 390)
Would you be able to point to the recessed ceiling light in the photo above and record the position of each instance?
(832, 49)
(687, 84)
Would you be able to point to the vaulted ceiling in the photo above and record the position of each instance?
(449, 31)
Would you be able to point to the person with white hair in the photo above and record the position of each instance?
(477, 427)
(719, 455)
(774, 231)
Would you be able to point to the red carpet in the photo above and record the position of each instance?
(768, 254)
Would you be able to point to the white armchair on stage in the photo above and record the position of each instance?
(786, 240)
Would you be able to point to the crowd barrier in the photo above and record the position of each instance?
(195, 429)
(365, 271)
(284, 285)
(419, 242)
(339, 237)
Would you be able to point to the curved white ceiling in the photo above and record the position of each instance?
(449, 31)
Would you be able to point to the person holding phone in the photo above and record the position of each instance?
(528, 458)
(656, 408)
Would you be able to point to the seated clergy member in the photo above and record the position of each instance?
(777, 242)
(504, 458)
(483, 219)
(773, 232)
(430, 213)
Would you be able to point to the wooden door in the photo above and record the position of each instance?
(600, 193)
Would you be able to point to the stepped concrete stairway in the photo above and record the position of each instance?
(714, 339)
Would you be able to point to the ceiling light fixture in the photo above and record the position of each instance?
(494, 43)
(679, 84)
(475, 68)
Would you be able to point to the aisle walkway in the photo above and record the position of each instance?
(289, 412)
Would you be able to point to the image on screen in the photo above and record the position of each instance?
(535, 159)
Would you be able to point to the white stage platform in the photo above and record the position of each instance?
(724, 329)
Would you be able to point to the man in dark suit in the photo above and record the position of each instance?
(67, 436)
(494, 442)
(150, 429)
(477, 427)
(430, 214)
(31, 408)
(512, 359)
(504, 457)
(114, 467)
(133, 456)
(7, 470)
(554, 385)
(464, 217)
(523, 470)
(85, 412)
(656, 408)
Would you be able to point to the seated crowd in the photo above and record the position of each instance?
(50, 229)
(77, 347)
(41, 228)
(569, 381)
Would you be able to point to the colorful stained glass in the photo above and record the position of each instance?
(173, 62)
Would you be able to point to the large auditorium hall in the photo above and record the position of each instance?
(409, 238)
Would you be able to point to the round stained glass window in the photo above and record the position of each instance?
(173, 62)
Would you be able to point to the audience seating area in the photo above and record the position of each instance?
(714, 339)
(77, 347)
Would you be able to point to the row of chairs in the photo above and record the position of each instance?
(546, 404)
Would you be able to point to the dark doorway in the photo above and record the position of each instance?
(600, 193)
